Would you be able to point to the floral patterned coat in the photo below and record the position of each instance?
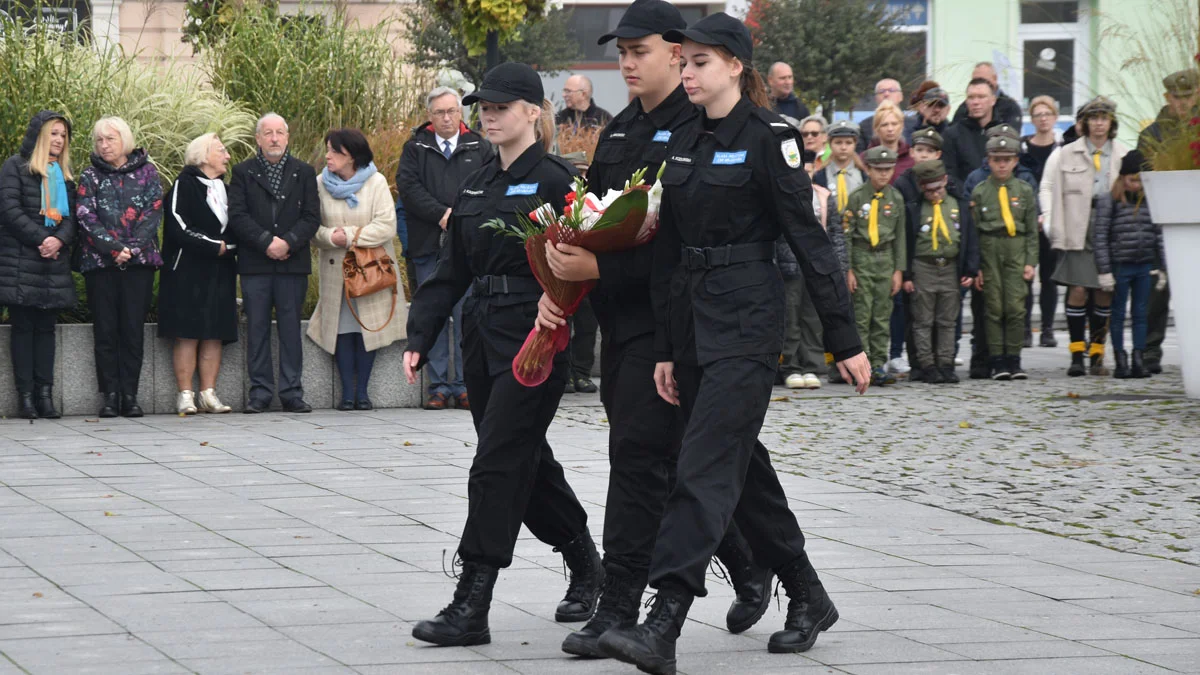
(117, 208)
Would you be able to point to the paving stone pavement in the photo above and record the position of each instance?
(311, 543)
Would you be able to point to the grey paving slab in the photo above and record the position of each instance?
(311, 544)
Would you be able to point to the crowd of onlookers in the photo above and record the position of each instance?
(925, 208)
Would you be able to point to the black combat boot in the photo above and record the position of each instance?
(948, 374)
(934, 375)
(1076, 369)
(1139, 369)
(617, 608)
(810, 610)
(587, 575)
(1121, 372)
(110, 405)
(28, 410)
(45, 403)
(464, 621)
(1014, 367)
(979, 368)
(651, 645)
(130, 407)
(751, 583)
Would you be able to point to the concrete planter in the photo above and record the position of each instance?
(76, 391)
(1172, 197)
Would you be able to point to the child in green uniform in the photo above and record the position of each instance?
(1005, 212)
(944, 256)
(874, 225)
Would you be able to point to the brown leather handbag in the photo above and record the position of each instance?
(367, 270)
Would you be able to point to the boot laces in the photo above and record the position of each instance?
(456, 563)
(661, 618)
(718, 570)
(616, 601)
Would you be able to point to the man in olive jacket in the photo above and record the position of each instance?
(274, 211)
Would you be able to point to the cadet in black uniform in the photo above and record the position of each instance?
(644, 429)
(514, 477)
(733, 182)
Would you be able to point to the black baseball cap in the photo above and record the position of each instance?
(646, 17)
(509, 82)
(718, 30)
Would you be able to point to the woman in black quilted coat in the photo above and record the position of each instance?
(37, 225)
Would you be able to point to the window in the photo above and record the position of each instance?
(589, 22)
(1034, 11)
(1052, 54)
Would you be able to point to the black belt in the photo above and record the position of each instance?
(720, 256)
(504, 285)
(939, 262)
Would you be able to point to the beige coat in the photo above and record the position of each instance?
(1065, 193)
(375, 216)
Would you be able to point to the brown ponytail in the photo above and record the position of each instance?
(751, 83)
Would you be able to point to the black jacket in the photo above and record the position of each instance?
(1006, 111)
(594, 116)
(964, 147)
(740, 186)
(26, 278)
(790, 106)
(428, 182)
(256, 216)
(192, 233)
(1125, 234)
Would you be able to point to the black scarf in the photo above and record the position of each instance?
(274, 171)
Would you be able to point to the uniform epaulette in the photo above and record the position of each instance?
(774, 121)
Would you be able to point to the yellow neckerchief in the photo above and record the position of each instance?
(873, 220)
(939, 223)
(1006, 212)
(843, 197)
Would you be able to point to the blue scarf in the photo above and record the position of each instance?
(58, 192)
(340, 188)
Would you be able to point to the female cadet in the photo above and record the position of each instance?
(514, 477)
(733, 182)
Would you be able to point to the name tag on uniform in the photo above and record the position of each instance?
(681, 160)
(662, 136)
(617, 134)
(521, 190)
(729, 158)
(473, 193)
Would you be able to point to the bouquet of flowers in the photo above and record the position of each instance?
(620, 220)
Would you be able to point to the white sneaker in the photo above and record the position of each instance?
(795, 381)
(811, 381)
(209, 402)
(958, 361)
(899, 366)
(185, 403)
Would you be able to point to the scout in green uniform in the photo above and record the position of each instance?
(944, 258)
(874, 222)
(1004, 209)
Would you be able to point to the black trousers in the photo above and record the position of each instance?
(1048, 295)
(1160, 304)
(583, 341)
(514, 477)
(979, 343)
(724, 475)
(32, 346)
(283, 293)
(119, 300)
(643, 446)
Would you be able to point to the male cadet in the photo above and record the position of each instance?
(944, 256)
(874, 221)
(644, 431)
(1004, 209)
(1180, 91)
(841, 176)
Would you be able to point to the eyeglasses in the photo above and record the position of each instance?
(445, 113)
(1042, 115)
(811, 134)
(889, 90)
(568, 92)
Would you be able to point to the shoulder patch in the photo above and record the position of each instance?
(791, 153)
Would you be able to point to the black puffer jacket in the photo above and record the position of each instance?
(26, 278)
(1125, 234)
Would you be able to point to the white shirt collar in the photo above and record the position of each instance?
(441, 142)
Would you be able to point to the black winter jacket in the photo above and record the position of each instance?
(428, 182)
(1124, 234)
(1006, 111)
(964, 147)
(256, 216)
(26, 278)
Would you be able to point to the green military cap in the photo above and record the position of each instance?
(929, 136)
(1003, 145)
(1097, 106)
(843, 129)
(930, 171)
(1003, 130)
(881, 156)
(1182, 84)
